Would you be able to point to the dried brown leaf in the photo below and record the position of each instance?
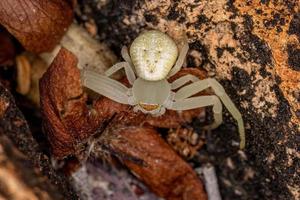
(161, 168)
(38, 68)
(23, 74)
(37, 24)
(63, 103)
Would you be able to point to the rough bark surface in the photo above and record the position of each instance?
(21, 151)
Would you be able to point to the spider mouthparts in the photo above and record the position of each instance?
(149, 107)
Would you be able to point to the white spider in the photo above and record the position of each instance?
(152, 56)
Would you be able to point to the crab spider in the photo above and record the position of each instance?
(152, 59)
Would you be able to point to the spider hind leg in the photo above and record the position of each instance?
(184, 101)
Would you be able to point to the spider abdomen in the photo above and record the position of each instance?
(153, 54)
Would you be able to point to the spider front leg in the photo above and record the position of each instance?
(105, 86)
(180, 59)
(190, 103)
(128, 66)
(130, 75)
(126, 56)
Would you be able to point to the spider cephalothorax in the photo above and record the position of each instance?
(152, 58)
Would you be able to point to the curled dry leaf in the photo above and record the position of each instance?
(160, 168)
(63, 105)
(37, 24)
(29, 69)
(23, 74)
(68, 122)
(38, 68)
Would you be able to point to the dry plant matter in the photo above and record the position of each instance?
(37, 24)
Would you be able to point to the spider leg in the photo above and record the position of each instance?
(125, 55)
(106, 86)
(201, 101)
(180, 59)
(198, 86)
(128, 71)
(183, 80)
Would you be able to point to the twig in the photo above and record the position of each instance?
(211, 182)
